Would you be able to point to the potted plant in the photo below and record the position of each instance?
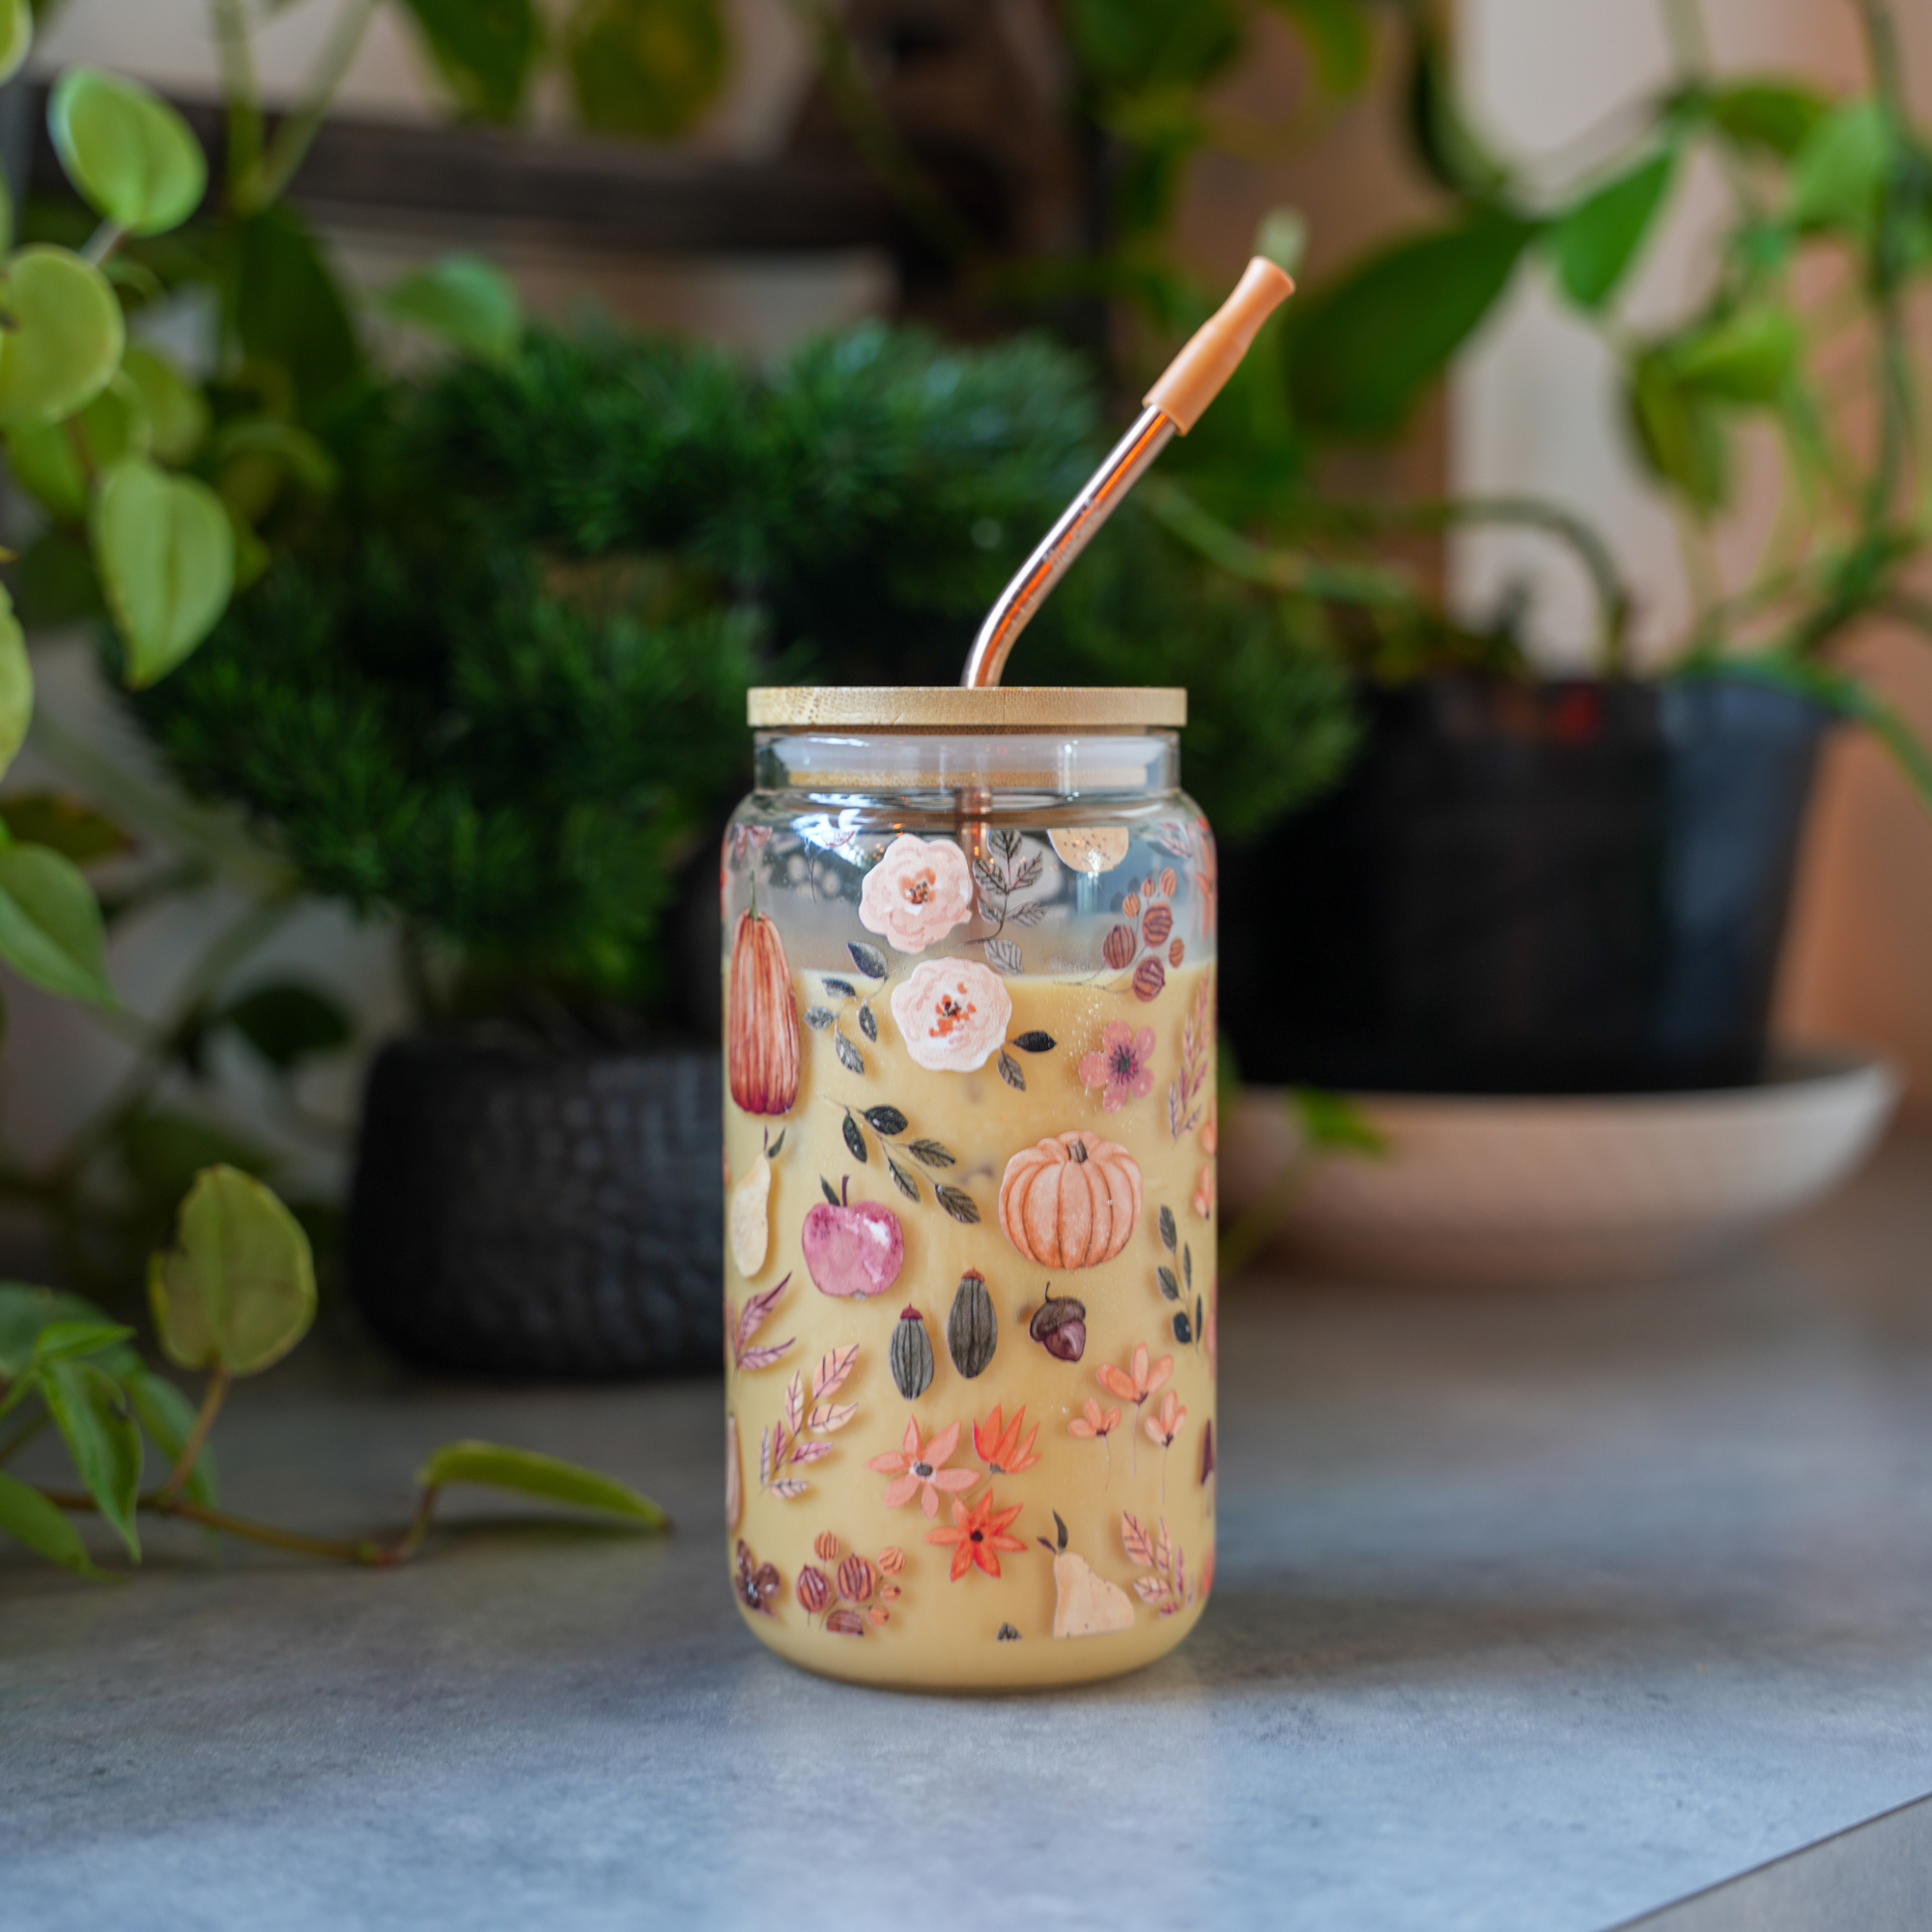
(1571, 885)
(498, 691)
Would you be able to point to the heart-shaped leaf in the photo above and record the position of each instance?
(16, 684)
(56, 463)
(91, 1413)
(1598, 239)
(135, 160)
(50, 929)
(238, 1288)
(467, 302)
(166, 555)
(63, 340)
(485, 49)
(17, 36)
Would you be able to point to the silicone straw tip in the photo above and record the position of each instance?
(1215, 352)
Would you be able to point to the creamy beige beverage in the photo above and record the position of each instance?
(970, 1271)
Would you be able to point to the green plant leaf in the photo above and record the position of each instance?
(464, 300)
(28, 1518)
(16, 687)
(1154, 44)
(1340, 35)
(17, 36)
(1454, 154)
(1595, 244)
(238, 1288)
(56, 463)
(290, 313)
(135, 160)
(1777, 116)
(1678, 434)
(59, 1340)
(25, 1310)
(66, 339)
(50, 929)
(178, 412)
(530, 1474)
(91, 1413)
(64, 825)
(166, 556)
(645, 67)
(1744, 358)
(303, 455)
(484, 49)
(1332, 1124)
(169, 1417)
(1839, 172)
(288, 1022)
(1361, 353)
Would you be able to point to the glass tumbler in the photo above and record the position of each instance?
(969, 1154)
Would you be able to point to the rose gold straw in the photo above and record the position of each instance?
(1186, 386)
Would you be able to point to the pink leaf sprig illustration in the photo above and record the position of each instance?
(1185, 1103)
(796, 1441)
(1165, 1588)
(858, 1593)
(742, 1324)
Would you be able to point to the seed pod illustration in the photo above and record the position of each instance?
(763, 1024)
(1060, 1327)
(971, 1329)
(1156, 923)
(813, 1592)
(1118, 947)
(1149, 976)
(856, 1579)
(910, 1356)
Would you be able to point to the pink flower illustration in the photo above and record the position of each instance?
(916, 893)
(953, 1014)
(922, 1472)
(1122, 1068)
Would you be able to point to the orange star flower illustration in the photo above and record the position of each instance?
(1005, 1454)
(977, 1534)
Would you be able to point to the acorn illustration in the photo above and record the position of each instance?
(1060, 1327)
(910, 1356)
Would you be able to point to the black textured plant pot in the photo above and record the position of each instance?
(524, 1212)
(1571, 887)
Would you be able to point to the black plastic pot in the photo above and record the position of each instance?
(1528, 889)
(525, 1212)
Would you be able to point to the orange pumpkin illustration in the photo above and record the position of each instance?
(764, 1056)
(1071, 1201)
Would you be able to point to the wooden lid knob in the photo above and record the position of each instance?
(1195, 377)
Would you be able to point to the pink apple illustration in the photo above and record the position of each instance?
(853, 1251)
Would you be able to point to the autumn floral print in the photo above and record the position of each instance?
(978, 1535)
(918, 1469)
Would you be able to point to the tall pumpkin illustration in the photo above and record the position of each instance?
(763, 1037)
(1071, 1201)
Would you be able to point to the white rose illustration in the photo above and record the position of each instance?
(919, 890)
(953, 1014)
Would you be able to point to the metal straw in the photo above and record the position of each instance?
(1174, 403)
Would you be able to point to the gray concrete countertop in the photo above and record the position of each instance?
(1531, 1611)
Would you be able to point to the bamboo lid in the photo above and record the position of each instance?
(952, 707)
